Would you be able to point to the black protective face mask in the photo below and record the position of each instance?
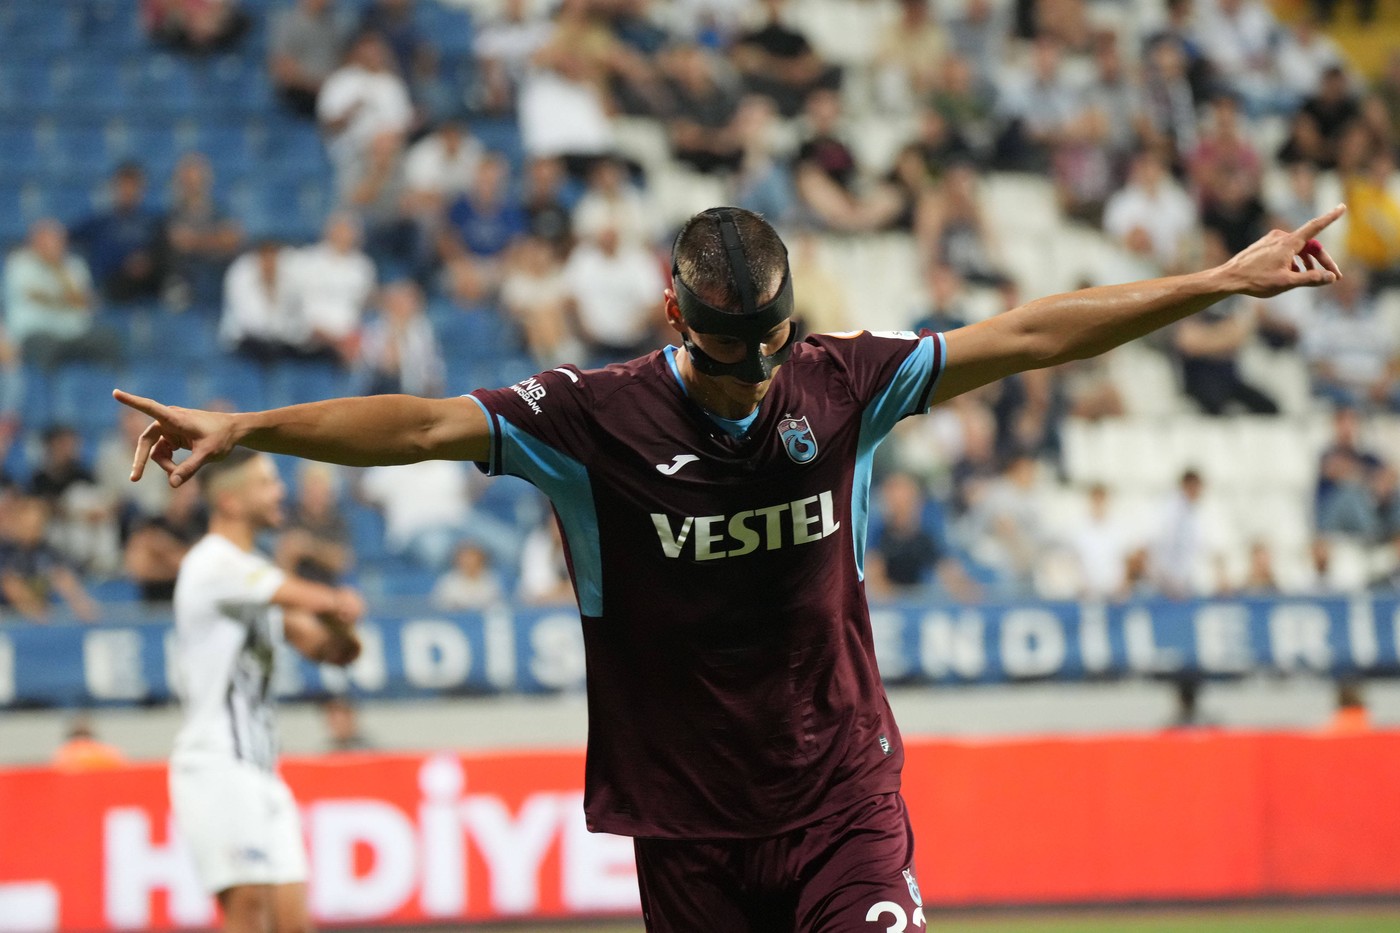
(750, 326)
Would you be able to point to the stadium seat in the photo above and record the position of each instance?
(20, 151)
(474, 335)
(159, 379)
(82, 397)
(366, 532)
(185, 338)
(290, 383)
(236, 380)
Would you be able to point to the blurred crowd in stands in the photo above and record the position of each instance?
(1150, 119)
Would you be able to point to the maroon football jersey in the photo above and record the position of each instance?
(732, 685)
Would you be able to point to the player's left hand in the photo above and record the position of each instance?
(1280, 261)
(207, 435)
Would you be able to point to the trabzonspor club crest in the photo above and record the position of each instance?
(797, 437)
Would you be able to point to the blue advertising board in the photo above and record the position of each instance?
(535, 650)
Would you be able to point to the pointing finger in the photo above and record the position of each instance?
(147, 406)
(1318, 224)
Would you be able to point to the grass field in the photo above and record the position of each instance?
(1343, 919)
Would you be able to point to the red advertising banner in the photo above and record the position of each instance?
(405, 838)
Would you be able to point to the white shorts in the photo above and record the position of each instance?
(240, 823)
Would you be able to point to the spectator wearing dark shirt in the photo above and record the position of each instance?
(306, 44)
(906, 557)
(123, 245)
(62, 465)
(1354, 485)
(548, 205)
(32, 572)
(701, 112)
(203, 238)
(158, 544)
(315, 542)
(1209, 344)
(1332, 109)
(485, 221)
(778, 62)
(198, 27)
(826, 174)
(414, 54)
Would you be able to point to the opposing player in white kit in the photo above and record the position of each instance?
(232, 608)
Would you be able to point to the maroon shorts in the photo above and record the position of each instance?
(852, 872)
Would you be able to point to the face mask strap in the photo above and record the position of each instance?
(750, 326)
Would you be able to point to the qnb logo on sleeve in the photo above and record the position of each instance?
(531, 391)
(797, 437)
(712, 537)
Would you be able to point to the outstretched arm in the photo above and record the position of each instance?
(371, 431)
(1061, 328)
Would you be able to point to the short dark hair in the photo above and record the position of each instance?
(704, 264)
(236, 460)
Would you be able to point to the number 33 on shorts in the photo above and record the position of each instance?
(894, 914)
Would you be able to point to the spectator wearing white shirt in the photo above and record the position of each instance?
(305, 45)
(563, 113)
(441, 166)
(1152, 216)
(362, 101)
(261, 318)
(611, 201)
(616, 287)
(1101, 550)
(536, 294)
(428, 513)
(544, 570)
(503, 48)
(1239, 38)
(1185, 557)
(1304, 56)
(1350, 351)
(471, 584)
(335, 280)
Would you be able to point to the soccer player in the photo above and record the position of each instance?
(712, 499)
(233, 608)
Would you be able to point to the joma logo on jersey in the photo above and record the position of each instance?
(797, 437)
(531, 391)
(801, 521)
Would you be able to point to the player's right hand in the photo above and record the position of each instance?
(207, 435)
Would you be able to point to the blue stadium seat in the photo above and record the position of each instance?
(165, 85)
(479, 334)
(503, 136)
(80, 148)
(237, 380)
(20, 151)
(70, 200)
(293, 382)
(184, 338)
(82, 397)
(16, 207)
(162, 378)
(114, 591)
(36, 397)
(405, 582)
(451, 29)
(43, 26)
(366, 532)
(153, 145)
(112, 25)
(512, 501)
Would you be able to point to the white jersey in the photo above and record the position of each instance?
(226, 629)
